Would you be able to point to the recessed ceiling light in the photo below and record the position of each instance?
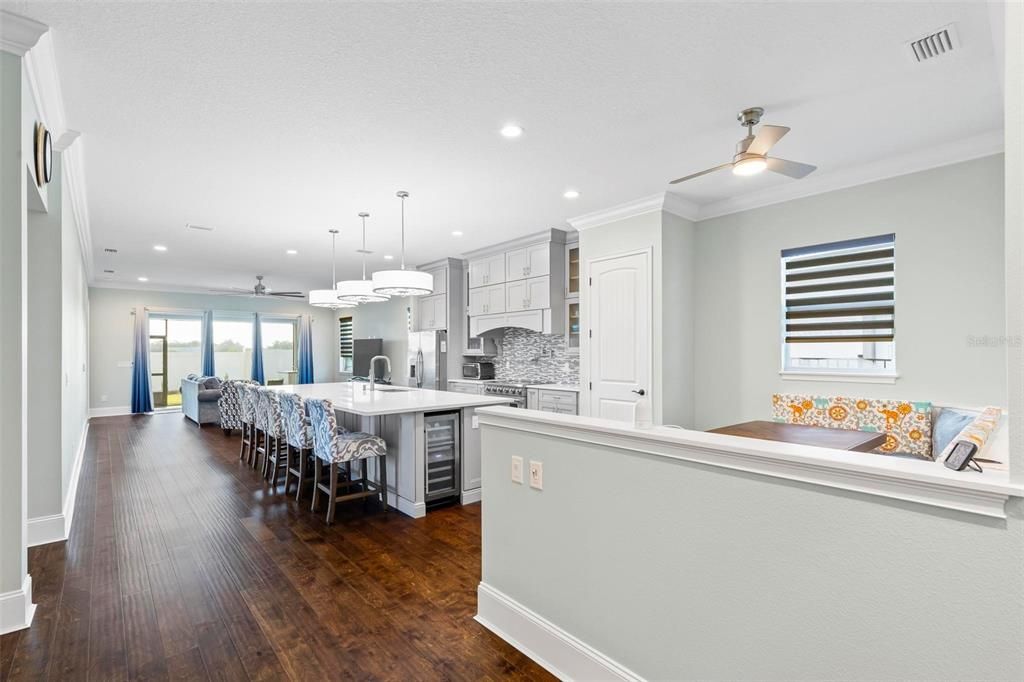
(159, 247)
(143, 279)
(456, 233)
(512, 130)
(291, 252)
(571, 194)
(388, 257)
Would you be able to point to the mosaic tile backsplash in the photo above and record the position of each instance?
(536, 357)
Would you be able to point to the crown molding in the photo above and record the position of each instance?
(958, 151)
(663, 201)
(19, 34)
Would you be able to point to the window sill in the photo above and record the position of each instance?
(845, 377)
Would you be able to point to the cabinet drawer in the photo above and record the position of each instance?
(561, 397)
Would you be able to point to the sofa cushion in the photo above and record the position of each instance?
(211, 382)
(207, 395)
(907, 425)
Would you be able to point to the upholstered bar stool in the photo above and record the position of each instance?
(247, 419)
(337, 447)
(274, 445)
(298, 442)
(260, 426)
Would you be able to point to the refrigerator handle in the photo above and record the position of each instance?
(419, 369)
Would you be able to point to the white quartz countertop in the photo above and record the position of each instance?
(556, 387)
(350, 397)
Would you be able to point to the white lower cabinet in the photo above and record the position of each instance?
(548, 400)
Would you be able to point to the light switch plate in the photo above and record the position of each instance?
(475, 421)
(517, 470)
(536, 475)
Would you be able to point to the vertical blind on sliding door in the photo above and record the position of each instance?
(840, 292)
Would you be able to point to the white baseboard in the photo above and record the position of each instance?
(43, 530)
(417, 510)
(554, 649)
(471, 496)
(16, 608)
(110, 411)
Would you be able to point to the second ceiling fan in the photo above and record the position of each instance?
(752, 151)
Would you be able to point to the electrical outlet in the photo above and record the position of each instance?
(517, 470)
(536, 475)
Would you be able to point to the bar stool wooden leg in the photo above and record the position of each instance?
(332, 500)
(316, 483)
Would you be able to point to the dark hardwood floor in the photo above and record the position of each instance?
(182, 564)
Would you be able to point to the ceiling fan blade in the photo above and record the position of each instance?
(766, 138)
(286, 294)
(790, 168)
(703, 172)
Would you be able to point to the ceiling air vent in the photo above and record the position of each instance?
(935, 44)
(109, 250)
(201, 228)
(108, 272)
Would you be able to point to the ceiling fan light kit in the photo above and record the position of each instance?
(751, 155)
(360, 290)
(403, 282)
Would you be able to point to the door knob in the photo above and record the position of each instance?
(640, 391)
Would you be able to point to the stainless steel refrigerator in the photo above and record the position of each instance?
(427, 364)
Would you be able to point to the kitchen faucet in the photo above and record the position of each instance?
(373, 373)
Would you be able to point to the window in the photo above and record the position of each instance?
(280, 346)
(232, 347)
(840, 308)
(345, 344)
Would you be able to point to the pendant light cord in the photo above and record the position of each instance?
(363, 216)
(334, 260)
(402, 195)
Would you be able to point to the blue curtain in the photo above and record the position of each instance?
(207, 343)
(142, 398)
(305, 350)
(257, 350)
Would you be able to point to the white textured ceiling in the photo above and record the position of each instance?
(273, 122)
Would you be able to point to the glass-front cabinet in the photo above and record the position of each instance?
(572, 270)
(572, 335)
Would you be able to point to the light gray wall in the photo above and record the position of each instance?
(949, 287)
(687, 572)
(110, 334)
(387, 321)
(74, 343)
(45, 480)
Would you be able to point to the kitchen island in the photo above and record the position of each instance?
(401, 416)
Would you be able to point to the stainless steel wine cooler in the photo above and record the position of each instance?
(443, 454)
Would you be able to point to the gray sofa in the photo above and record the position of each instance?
(199, 396)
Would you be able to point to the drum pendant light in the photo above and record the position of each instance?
(360, 290)
(403, 282)
(328, 298)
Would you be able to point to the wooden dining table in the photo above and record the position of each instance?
(819, 436)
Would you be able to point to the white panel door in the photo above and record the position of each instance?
(620, 339)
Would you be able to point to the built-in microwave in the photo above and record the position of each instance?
(481, 345)
(478, 370)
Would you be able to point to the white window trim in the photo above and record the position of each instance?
(840, 376)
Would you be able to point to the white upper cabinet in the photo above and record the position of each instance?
(528, 294)
(487, 271)
(487, 300)
(532, 261)
(432, 312)
(440, 276)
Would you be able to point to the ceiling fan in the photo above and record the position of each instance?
(260, 289)
(752, 151)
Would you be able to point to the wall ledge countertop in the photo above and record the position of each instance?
(920, 481)
(350, 397)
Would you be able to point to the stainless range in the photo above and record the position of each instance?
(513, 389)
